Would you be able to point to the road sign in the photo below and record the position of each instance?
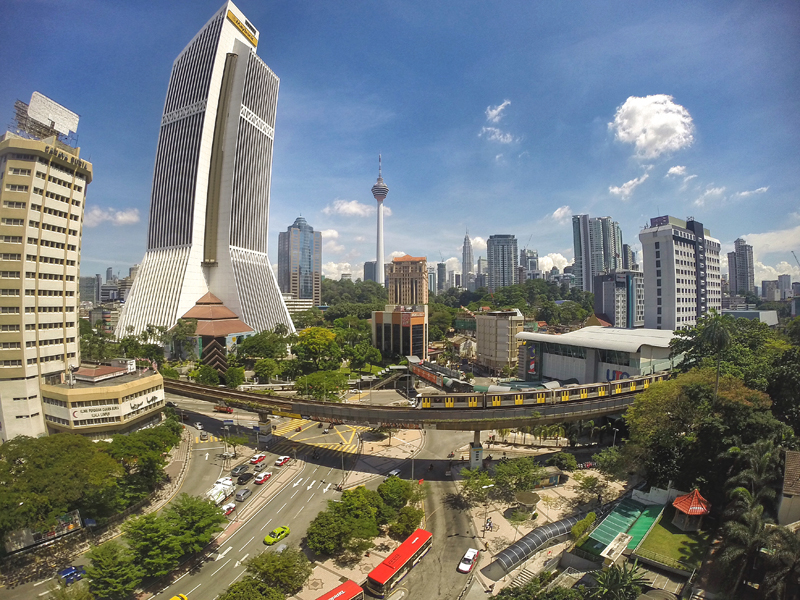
(256, 428)
(228, 421)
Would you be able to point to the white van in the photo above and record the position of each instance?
(393, 473)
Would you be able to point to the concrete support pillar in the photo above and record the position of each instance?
(476, 452)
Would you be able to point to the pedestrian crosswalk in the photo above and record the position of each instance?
(211, 438)
(343, 438)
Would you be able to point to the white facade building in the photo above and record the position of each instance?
(682, 276)
(209, 209)
(43, 185)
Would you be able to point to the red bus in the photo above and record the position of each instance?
(349, 590)
(388, 574)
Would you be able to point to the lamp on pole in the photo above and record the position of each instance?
(486, 512)
(615, 437)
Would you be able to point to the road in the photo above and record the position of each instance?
(295, 501)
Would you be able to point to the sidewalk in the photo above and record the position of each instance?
(377, 458)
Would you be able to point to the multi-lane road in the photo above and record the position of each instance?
(297, 492)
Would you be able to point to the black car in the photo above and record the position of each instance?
(171, 404)
(244, 478)
(239, 470)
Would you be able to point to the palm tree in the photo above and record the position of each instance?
(742, 540)
(619, 583)
(782, 578)
(717, 334)
(759, 468)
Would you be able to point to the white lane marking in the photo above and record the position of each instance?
(194, 588)
(295, 494)
(307, 480)
(241, 560)
(327, 487)
(296, 483)
(282, 507)
(237, 577)
(265, 525)
(42, 581)
(218, 570)
(298, 512)
(248, 541)
(44, 593)
(309, 498)
(206, 455)
(312, 484)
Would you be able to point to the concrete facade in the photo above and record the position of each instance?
(497, 345)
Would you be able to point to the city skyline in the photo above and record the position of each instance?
(503, 154)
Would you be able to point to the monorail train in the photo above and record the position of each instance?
(537, 396)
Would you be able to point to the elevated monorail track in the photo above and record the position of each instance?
(456, 419)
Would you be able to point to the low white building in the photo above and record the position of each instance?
(594, 354)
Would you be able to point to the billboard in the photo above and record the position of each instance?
(50, 113)
(533, 368)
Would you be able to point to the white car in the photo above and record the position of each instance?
(282, 460)
(262, 477)
(469, 560)
(198, 426)
(224, 481)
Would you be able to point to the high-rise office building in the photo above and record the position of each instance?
(432, 280)
(770, 291)
(369, 270)
(209, 208)
(741, 272)
(619, 297)
(133, 271)
(42, 201)
(682, 276)
(482, 267)
(89, 292)
(629, 258)
(598, 248)
(441, 277)
(300, 262)
(407, 283)
(467, 264)
(785, 286)
(109, 274)
(502, 258)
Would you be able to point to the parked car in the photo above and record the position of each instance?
(199, 426)
(244, 478)
(276, 535)
(228, 508)
(71, 574)
(257, 459)
(242, 495)
(203, 435)
(468, 561)
(282, 460)
(262, 477)
(239, 470)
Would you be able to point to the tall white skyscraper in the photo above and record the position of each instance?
(379, 192)
(598, 248)
(502, 258)
(741, 273)
(209, 208)
(467, 264)
(682, 275)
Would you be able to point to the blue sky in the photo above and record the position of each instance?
(499, 117)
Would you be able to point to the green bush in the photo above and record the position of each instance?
(583, 525)
(408, 519)
(564, 461)
(169, 372)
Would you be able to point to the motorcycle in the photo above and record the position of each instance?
(299, 429)
(319, 426)
(451, 455)
(430, 467)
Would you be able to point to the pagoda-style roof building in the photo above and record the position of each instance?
(690, 510)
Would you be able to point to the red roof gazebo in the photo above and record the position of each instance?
(690, 510)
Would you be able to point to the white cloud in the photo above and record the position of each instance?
(709, 194)
(654, 124)
(688, 178)
(782, 240)
(453, 264)
(626, 189)
(360, 238)
(353, 208)
(763, 272)
(496, 135)
(760, 190)
(677, 170)
(498, 158)
(562, 214)
(334, 270)
(330, 234)
(495, 113)
(478, 243)
(397, 254)
(553, 259)
(332, 247)
(96, 216)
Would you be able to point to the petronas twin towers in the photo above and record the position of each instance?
(209, 208)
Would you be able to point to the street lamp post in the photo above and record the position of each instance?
(615, 437)
(486, 512)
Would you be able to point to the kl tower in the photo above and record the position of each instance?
(379, 191)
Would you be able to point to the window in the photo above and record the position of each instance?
(16, 171)
(658, 245)
(658, 273)
(9, 310)
(658, 264)
(658, 310)
(9, 274)
(658, 320)
(658, 301)
(7, 292)
(13, 222)
(9, 204)
(12, 187)
(11, 239)
(658, 254)
(658, 282)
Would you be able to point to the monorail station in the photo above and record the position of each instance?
(594, 355)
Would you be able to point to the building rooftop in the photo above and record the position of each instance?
(692, 504)
(409, 258)
(108, 382)
(214, 318)
(791, 474)
(605, 338)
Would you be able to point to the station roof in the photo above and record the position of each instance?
(604, 338)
